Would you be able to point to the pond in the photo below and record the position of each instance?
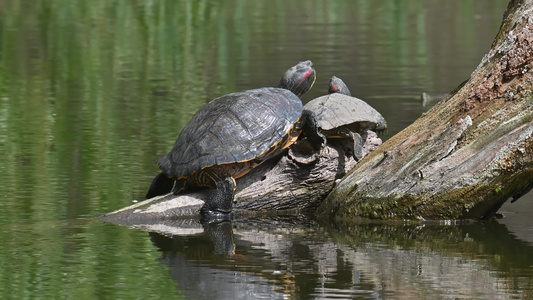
(93, 92)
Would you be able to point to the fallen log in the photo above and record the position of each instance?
(466, 156)
(295, 183)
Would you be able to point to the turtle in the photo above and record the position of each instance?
(234, 133)
(339, 115)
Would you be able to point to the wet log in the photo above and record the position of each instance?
(295, 183)
(467, 156)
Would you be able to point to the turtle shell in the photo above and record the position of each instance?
(337, 110)
(234, 128)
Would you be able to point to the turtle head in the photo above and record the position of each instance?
(336, 85)
(299, 79)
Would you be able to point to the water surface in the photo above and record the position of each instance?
(93, 92)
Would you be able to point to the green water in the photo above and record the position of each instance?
(93, 92)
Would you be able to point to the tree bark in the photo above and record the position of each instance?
(467, 155)
(463, 159)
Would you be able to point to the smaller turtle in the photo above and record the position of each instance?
(339, 115)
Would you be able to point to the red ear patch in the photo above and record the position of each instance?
(308, 73)
(334, 88)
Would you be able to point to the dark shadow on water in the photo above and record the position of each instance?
(276, 258)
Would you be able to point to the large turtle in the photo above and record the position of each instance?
(339, 115)
(233, 134)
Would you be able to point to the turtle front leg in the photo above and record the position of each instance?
(354, 137)
(218, 207)
(311, 130)
(357, 145)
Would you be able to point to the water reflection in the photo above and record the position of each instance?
(277, 258)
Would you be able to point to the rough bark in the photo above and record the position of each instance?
(465, 157)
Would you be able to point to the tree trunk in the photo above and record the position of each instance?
(467, 155)
(463, 159)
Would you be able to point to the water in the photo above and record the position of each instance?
(93, 92)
